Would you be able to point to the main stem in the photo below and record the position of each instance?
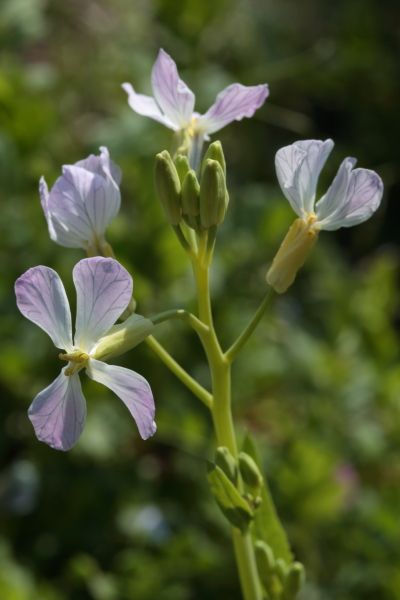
(223, 425)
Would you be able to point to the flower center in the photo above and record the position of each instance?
(76, 359)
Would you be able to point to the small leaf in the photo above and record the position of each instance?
(234, 507)
(267, 525)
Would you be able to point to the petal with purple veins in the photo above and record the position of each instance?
(172, 94)
(131, 388)
(104, 290)
(233, 104)
(58, 412)
(333, 201)
(41, 298)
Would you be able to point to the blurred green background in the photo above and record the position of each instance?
(319, 385)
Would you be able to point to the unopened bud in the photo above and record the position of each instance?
(168, 186)
(215, 152)
(249, 471)
(292, 254)
(213, 195)
(191, 200)
(265, 563)
(294, 581)
(121, 338)
(226, 462)
(281, 569)
(182, 166)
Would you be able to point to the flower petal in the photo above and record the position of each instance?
(104, 290)
(102, 165)
(41, 298)
(232, 104)
(131, 388)
(333, 201)
(58, 413)
(146, 106)
(298, 167)
(172, 94)
(363, 197)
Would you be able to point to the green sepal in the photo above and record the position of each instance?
(168, 186)
(191, 195)
(182, 166)
(215, 152)
(228, 498)
(267, 525)
(226, 462)
(213, 194)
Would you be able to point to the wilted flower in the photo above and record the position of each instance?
(355, 194)
(173, 102)
(83, 202)
(104, 289)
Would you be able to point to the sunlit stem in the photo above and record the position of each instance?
(233, 351)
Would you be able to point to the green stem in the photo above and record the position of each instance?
(180, 313)
(246, 333)
(223, 425)
(179, 371)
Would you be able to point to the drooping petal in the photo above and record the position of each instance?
(146, 106)
(363, 197)
(131, 388)
(82, 204)
(41, 298)
(233, 104)
(172, 94)
(298, 167)
(58, 412)
(102, 165)
(104, 290)
(332, 202)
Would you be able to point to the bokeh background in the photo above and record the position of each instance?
(319, 385)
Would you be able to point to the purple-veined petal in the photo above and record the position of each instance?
(104, 290)
(332, 202)
(131, 388)
(363, 197)
(82, 204)
(172, 94)
(58, 412)
(146, 106)
(298, 167)
(41, 298)
(233, 104)
(102, 165)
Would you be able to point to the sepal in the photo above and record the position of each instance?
(123, 337)
(232, 504)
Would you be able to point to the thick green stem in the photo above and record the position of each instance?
(223, 425)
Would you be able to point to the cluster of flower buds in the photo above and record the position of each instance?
(279, 580)
(200, 204)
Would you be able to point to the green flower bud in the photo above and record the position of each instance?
(226, 462)
(213, 194)
(215, 152)
(265, 563)
(182, 166)
(191, 200)
(281, 569)
(294, 581)
(249, 471)
(121, 338)
(168, 186)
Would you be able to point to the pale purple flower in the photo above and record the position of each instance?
(104, 289)
(82, 202)
(172, 103)
(355, 194)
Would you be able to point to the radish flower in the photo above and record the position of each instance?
(355, 194)
(104, 289)
(83, 202)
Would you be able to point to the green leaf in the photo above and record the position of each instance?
(234, 507)
(267, 525)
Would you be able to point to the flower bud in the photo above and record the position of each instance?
(182, 166)
(226, 462)
(168, 186)
(265, 563)
(191, 200)
(123, 337)
(213, 194)
(292, 254)
(294, 581)
(249, 471)
(215, 152)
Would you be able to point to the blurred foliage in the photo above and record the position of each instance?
(117, 518)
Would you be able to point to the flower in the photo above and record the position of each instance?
(173, 102)
(355, 194)
(104, 289)
(82, 202)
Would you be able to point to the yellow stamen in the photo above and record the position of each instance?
(77, 360)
